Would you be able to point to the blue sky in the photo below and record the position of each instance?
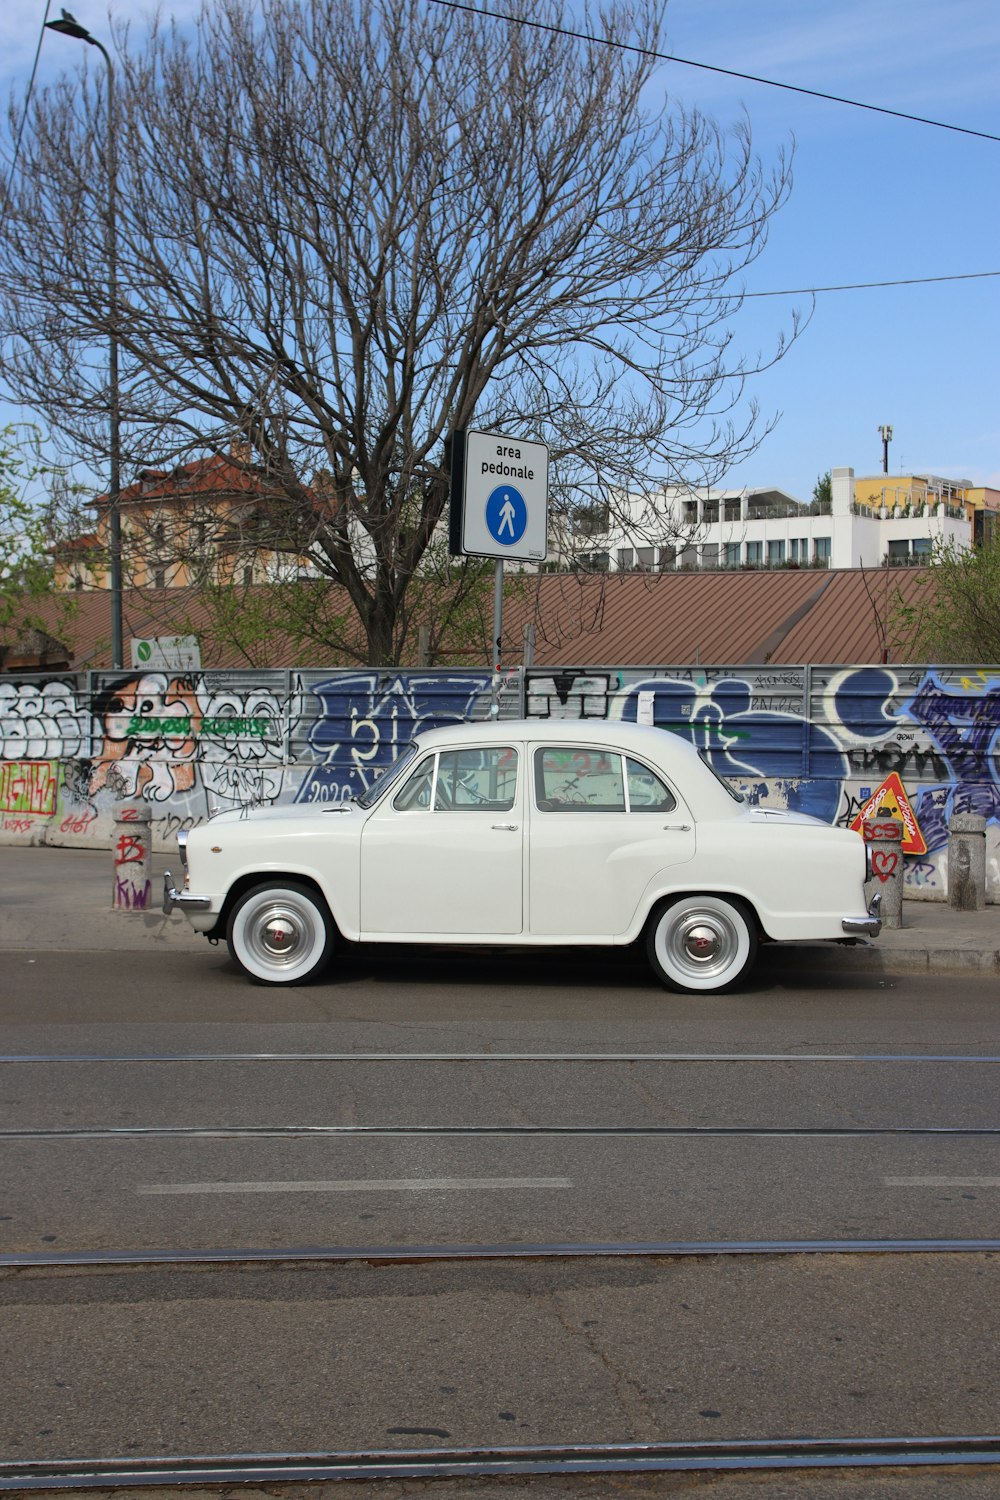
(875, 199)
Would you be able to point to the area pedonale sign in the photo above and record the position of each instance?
(499, 497)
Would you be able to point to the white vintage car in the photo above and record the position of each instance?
(528, 832)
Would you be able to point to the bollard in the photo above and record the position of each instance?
(967, 862)
(132, 847)
(884, 837)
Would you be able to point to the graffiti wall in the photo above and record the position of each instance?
(823, 740)
(75, 750)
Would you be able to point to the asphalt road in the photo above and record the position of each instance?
(261, 1149)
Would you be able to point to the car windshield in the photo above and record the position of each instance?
(736, 796)
(386, 777)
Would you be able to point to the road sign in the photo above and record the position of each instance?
(167, 653)
(499, 497)
(892, 797)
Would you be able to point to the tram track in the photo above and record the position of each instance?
(376, 1254)
(182, 1471)
(281, 1469)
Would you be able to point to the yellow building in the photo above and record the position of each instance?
(198, 523)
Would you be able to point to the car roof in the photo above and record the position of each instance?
(703, 792)
(607, 732)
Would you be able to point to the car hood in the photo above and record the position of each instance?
(288, 812)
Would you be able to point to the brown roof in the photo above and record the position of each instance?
(783, 616)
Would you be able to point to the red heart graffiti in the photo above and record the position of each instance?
(884, 862)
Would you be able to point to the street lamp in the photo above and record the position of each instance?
(69, 26)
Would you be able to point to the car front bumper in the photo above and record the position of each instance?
(869, 926)
(173, 898)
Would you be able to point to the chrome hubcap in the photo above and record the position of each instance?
(701, 942)
(280, 937)
(281, 934)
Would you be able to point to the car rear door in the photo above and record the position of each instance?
(602, 825)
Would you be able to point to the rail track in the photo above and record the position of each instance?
(479, 1463)
(277, 1469)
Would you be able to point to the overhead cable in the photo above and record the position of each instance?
(687, 62)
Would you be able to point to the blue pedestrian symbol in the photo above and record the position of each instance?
(506, 515)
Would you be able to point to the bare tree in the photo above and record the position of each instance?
(345, 231)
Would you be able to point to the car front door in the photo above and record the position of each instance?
(444, 856)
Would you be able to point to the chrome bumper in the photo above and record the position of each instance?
(184, 899)
(869, 926)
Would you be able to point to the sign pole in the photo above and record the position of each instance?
(497, 636)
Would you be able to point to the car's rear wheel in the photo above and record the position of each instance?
(281, 933)
(699, 944)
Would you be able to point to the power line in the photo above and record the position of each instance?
(864, 286)
(20, 130)
(687, 62)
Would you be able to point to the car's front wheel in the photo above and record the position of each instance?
(281, 933)
(702, 943)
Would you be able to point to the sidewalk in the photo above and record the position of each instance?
(61, 898)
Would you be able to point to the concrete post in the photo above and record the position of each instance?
(966, 862)
(884, 837)
(132, 849)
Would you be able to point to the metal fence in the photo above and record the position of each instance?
(818, 739)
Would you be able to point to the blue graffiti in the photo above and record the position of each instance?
(366, 718)
(765, 753)
(860, 702)
(965, 727)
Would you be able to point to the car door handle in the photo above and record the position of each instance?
(505, 827)
(677, 827)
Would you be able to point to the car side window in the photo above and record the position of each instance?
(571, 780)
(476, 780)
(646, 792)
(415, 793)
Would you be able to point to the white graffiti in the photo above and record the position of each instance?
(42, 722)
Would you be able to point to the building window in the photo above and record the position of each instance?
(625, 557)
(776, 552)
(922, 546)
(822, 549)
(732, 510)
(646, 558)
(755, 552)
(668, 557)
(160, 578)
(732, 555)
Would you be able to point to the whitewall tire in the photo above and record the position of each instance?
(281, 933)
(702, 944)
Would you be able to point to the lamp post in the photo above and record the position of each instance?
(69, 26)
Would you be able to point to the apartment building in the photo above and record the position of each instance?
(870, 522)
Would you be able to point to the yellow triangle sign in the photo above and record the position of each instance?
(892, 796)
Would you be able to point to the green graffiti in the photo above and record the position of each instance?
(220, 727)
(256, 728)
(140, 724)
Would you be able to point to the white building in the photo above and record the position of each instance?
(891, 521)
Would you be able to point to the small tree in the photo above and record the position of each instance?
(26, 563)
(822, 500)
(957, 617)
